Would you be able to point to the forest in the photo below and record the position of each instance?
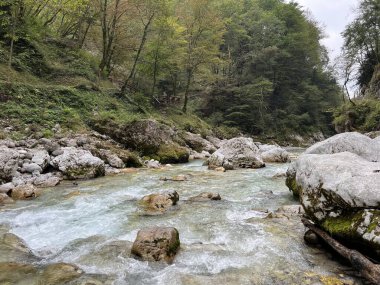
(254, 66)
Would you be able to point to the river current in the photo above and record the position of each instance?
(231, 241)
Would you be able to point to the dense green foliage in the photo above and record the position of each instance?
(362, 66)
(253, 65)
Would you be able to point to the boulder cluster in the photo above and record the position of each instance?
(27, 165)
(338, 184)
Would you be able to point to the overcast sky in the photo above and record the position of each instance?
(333, 15)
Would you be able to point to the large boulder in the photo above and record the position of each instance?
(340, 192)
(156, 204)
(197, 143)
(352, 142)
(78, 164)
(5, 199)
(156, 244)
(9, 158)
(147, 135)
(237, 153)
(273, 153)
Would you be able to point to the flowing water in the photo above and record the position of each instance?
(222, 242)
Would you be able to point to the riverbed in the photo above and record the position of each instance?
(232, 241)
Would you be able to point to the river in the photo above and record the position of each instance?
(93, 225)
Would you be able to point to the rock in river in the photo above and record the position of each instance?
(237, 153)
(340, 192)
(356, 143)
(155, 204)
(156, 244)
(206, 196)
(78, 164)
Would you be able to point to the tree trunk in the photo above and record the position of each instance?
(368, 270)
(184, 108)
(142, 43)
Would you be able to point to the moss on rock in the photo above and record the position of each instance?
(172, 153)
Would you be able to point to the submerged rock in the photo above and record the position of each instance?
(60, 273)
(156, 244)
(24, 192)
(178, 178)
(156, 204)
(78, 164)
(206, 196)
(237, 153)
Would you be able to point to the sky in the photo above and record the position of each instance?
(333, 16)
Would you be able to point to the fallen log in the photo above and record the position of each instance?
(367, 269)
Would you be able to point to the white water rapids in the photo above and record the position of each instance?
(222, 242)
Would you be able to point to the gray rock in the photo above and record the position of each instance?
(351, 142)
(111, 158)
(8, 163)
(237, 153)
(47, 180)
(156, 244)
(78, 164)
(6, 187)
(57, 152)
(31, 168)
(153, 164)
(197, 143)
(340, 192)
(215, 141)
(272, 153)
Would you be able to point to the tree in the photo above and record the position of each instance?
(203, 33)
(11, 21)
(362, 41)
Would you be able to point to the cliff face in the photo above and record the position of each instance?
(374, 85)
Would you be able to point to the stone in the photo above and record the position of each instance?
(340, 192)
(220, 169)
(41, 158)
(24, 192)
(272, 153)
(197, 143)
(311, 238)
(5, 199)
(215, 141)
(60, 273)
(15, 242)
(111, 158)
(348, 142)
(8, 163)
(237, 153)
(153, 164)
(78, 164)
(156, 244)
(6, 187)
(31, 168)
(159, 203)
(178, 178)
(47, 180)
(206, 196)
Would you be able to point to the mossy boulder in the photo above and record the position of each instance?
(339, 192)
(172, 153)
